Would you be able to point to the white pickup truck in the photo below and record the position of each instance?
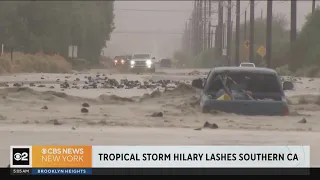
(143, 62)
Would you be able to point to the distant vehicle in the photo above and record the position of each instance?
(249, 91)
(247, 65)
(142, 62)
(121, 62)
(166, 63)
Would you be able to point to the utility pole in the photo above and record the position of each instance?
(237, 60)
(229, 33)
(201, 26)
(251, 46)
(211, 41)
(209, 25)
(224, 32)
(189, 35)
(205, 20)
(184, 38)
(269, 33)
(245, 25)
(313, 5)
(194, 27)
(197, 27)
(293, 31)
(204, 25)
(219, 33)
(293, 20)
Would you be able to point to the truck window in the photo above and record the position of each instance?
(141, 56)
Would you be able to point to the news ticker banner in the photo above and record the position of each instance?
(82, 159)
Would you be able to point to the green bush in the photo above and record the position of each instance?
(306, 49)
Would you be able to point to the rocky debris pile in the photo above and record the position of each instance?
(208, 125)
(195, 72)
(108, 83)
(101, 81)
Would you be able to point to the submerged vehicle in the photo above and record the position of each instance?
(142, 62)
(242, 90)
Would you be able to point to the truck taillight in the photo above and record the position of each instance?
(286, 111)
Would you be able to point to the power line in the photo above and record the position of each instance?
(248, 5)
(145, 32)
(283, 1)
(156, 10)
(241, 13)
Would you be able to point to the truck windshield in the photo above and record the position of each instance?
(119, 58)
(141, 56)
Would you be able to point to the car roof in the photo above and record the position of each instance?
(245, 69)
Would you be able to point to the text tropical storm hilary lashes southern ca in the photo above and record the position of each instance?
(197, 157)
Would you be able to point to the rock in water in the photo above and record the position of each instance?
(303, 121)
(85, 105)
(287, 85)
(157, 114)
(56, 122)
(84, 110)
(210, 126)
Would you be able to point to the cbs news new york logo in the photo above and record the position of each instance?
(20, 156)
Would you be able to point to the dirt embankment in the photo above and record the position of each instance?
(25, 93)
(33, 63)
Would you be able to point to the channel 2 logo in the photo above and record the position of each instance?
(20, 156)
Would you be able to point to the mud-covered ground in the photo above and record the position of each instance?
(37, 113)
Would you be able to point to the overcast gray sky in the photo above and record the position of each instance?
(129, 22)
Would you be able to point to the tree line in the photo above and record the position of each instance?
(51, 26)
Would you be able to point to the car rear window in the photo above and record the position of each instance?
(254, 82)
(247, 65)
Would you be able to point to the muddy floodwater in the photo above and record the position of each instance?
(36, 110)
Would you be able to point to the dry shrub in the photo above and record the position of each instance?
(34, 63)
(301, 72)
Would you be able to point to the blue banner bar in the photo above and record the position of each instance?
(61, 171)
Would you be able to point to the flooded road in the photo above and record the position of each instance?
(124, 116)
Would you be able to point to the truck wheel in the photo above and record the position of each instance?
(205, 110)
(153, 70)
